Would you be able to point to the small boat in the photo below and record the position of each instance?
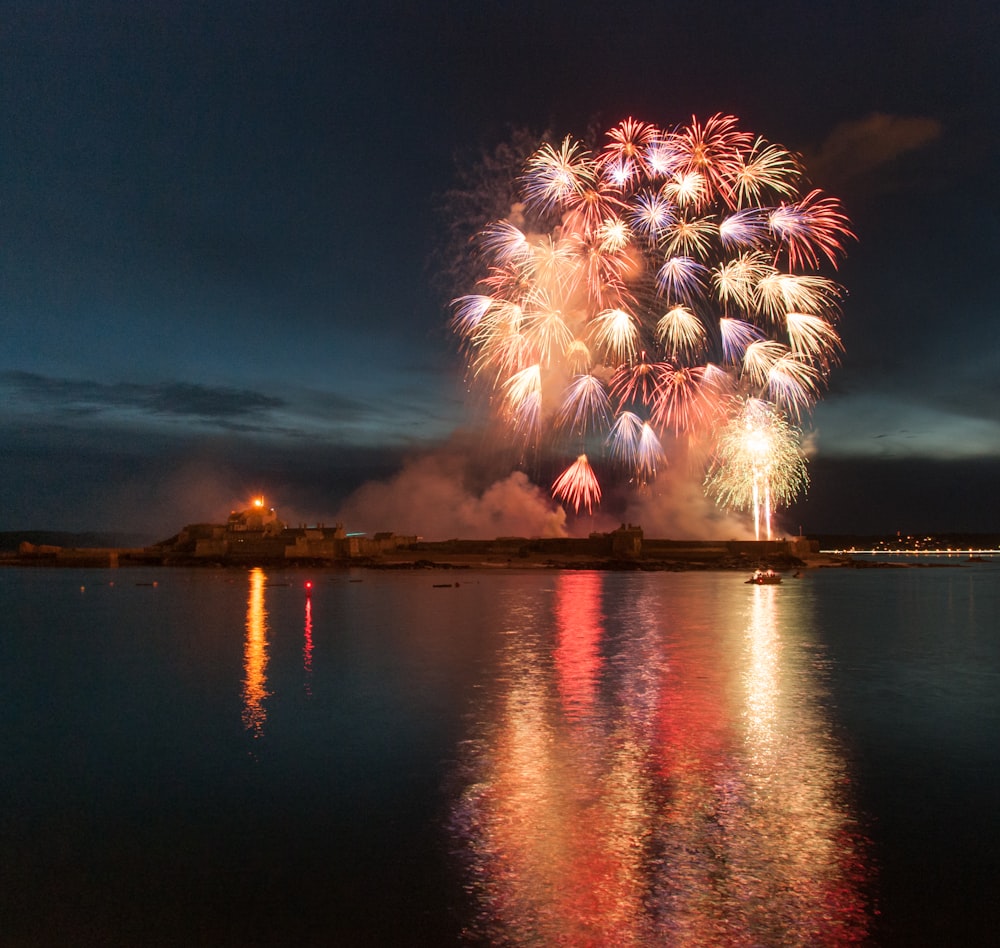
(764, 577)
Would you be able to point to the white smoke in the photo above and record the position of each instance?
(675, 507)
(864, 150)
(429, 497)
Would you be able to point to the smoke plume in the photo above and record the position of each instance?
(436, 496)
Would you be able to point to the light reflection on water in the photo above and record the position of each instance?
(307, 648)
(255, 656)
(659, 772)
(525, 756)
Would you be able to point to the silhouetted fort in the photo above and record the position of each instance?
(255, 536)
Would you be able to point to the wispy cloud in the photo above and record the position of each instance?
(46, 402)
(855, 151)
(883, 427)
(166, 398)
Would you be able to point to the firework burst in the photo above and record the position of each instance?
(664, 285)
(758, 461)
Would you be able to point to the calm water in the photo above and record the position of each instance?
(524, 758)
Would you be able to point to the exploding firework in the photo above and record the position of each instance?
(758, 461)
(654, 290)
(578, 485)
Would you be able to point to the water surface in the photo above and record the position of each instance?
(517, 757)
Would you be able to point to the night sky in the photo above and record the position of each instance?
(220, 242)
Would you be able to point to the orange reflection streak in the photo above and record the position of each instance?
(307, 646)
(763, 688)
(805, 867)
(255, 656)
(578, 633)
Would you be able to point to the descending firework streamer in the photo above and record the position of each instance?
(651, 291)
(758, 461)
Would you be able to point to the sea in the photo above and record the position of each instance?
(500, 757)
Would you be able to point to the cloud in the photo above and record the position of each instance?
(435, 496)
(855, 150)
(450, 492)
(881, 426)
(168, 398)
(153, 481)
(675, 507)
(292, 414)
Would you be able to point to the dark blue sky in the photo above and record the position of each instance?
(217, 225)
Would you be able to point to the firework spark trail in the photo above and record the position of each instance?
(634, 443)
(578, 485)
(653, 289)
(758, 460)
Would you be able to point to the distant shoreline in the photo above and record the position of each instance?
(625, 549)
(403, 561)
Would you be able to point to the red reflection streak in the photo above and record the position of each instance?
(693, 726)
(579, 630)
(692, 738)
(307, 646)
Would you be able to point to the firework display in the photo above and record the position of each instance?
(758, 461)
(664, 287)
